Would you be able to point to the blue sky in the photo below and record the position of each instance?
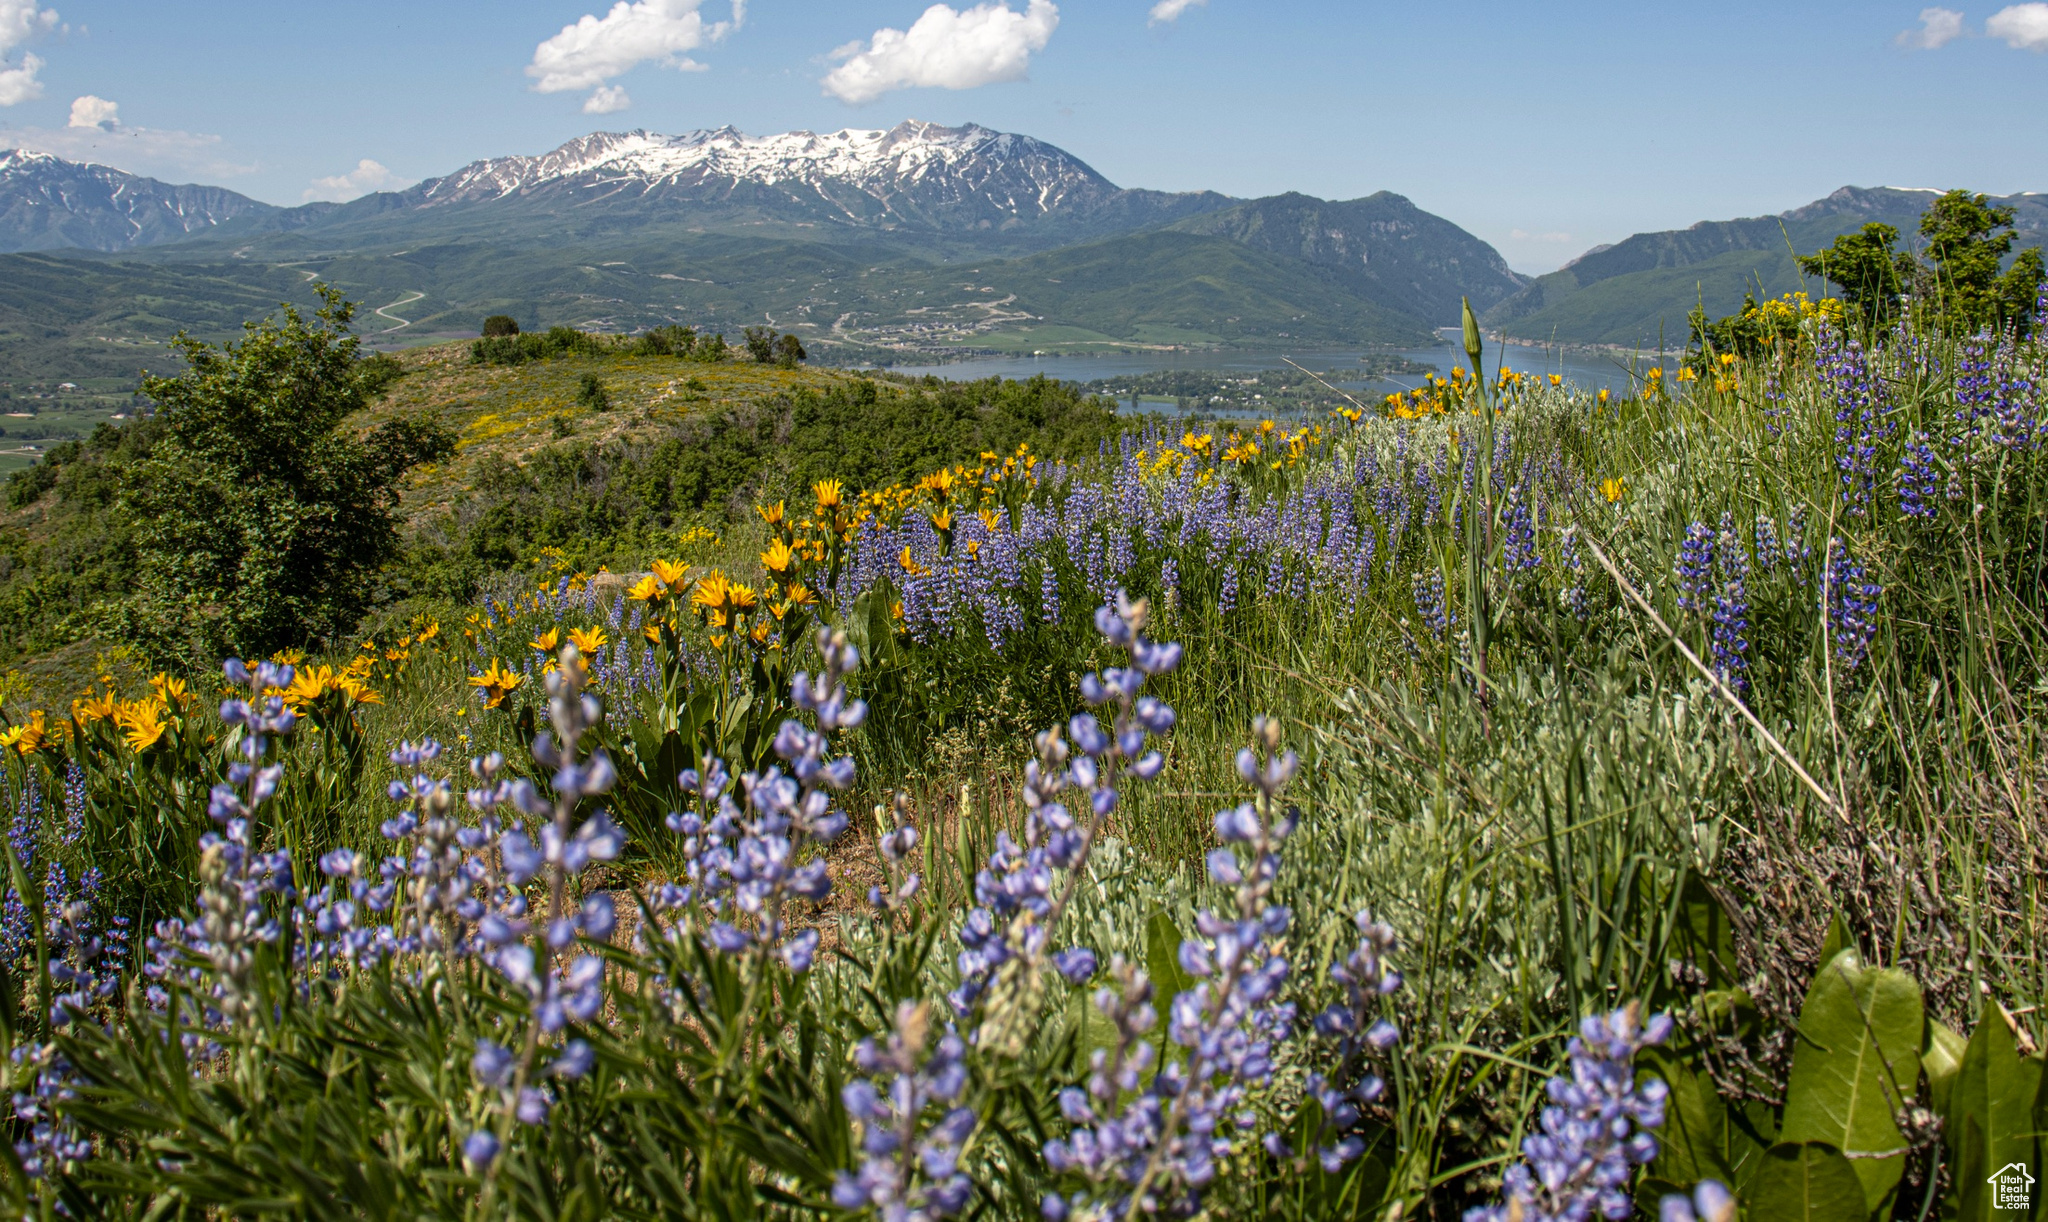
(1543, 128)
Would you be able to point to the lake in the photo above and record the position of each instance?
(1587, 372)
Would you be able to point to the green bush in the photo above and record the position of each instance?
(519, 349)
(666, 341)
(499, 325)
(258, 520)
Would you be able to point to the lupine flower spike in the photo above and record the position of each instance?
(1596, 1131)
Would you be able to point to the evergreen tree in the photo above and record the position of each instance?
(1967, 242)
(1868, 266)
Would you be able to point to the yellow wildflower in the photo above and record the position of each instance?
(670, 573)
(90, 708)
(712, 589)
(29, 737)
(170, 691)
(587, 640)
(141, 722)
(547, 642)
(778, 559)
(497, 684)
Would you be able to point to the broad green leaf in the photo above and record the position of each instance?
(1941, 1055)
(1752, 1130)
(1838, 940)
(1857, 1061)
(1806, 1182)
(1691, 1143)
(1706, 934)
(1162, 960)
(1095, 1028)
(1991, 1120)
(1651, 1191)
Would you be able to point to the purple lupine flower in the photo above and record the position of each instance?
(1518, 549)
(1695, 567)
(1596, 1131)
(1017, 912)
(75, 803)
(1975, 387)
(1710, 1202)
(1860, 422)
(1731, 609)
(788, 810)
(1573, 597)
(910, 1165)
(52, 1141)
(1919, 479)
(2015, 426)
(1161, 1149)
(1849, 602)
(1430, 602)
(1362, 1032)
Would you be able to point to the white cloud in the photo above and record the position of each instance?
(606, 99)
(596, 49)
(90, 111)
(20, 84)
(947, 49)
(368, 176)
(2022, 26)
(1170, 10)
(1938, 28)
(21, 20)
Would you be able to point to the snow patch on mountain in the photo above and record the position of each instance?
(1026, 175)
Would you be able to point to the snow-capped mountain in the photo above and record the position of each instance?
(917, 181)
(48, 203)
(916, 174)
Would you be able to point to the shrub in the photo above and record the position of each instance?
(666, 341)
(258, 519)
(518, 349)
(590, 393)
(500, 324)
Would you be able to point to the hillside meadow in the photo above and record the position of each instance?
(745, 791)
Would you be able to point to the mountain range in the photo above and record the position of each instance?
(1637, 292)
(919, 237)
